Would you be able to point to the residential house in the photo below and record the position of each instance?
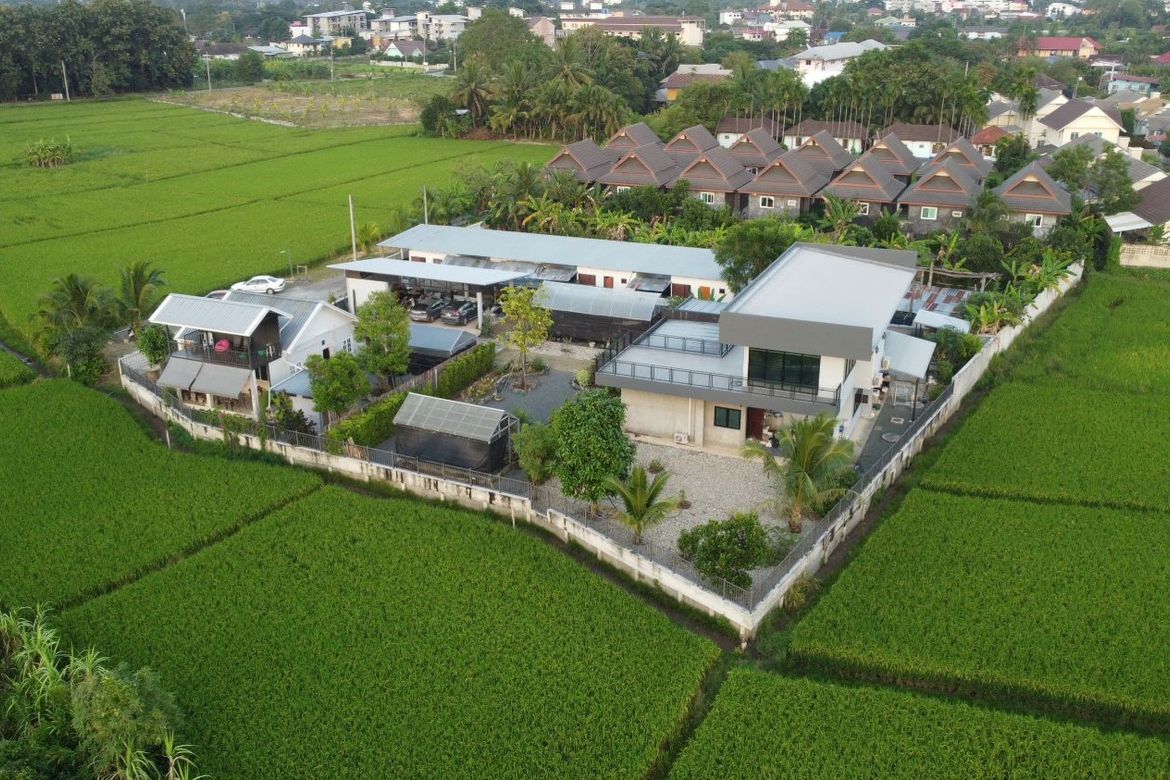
(792, 9)
(544, 29)
(715, 177)
(1061, 10)
(690, 143)
(939, 198)
(689, 30)
(853, 136)
(969, 159)
(730, 129)
(393, 28)
(1124, 82)
(585, 159)
(1034, 198)
(983, 33)
(819, 63)
(755, 150)
(869, 184)
(730, 17)
(405, 50)
(685, 75)
(631, 137)
(782, 29)
(1141, 173)
(809, 335)
(222, 51)
(439, 27)
(1152, 211)
(1067, 46)
(923, 141)
(1161, 59)
(304, 46)
(1079, 117)
(646, 166)
(785, 187)
(228, 350)
(271, 52)
(824, 152)
(336, 23)
(895, 157)
(986, 140)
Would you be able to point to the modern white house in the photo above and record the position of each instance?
(1077, 118)
(226, 351)
(811, 334)
(818, 63)
(336, 23)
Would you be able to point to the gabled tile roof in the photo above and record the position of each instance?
(990, 136)
(715, 170)
(1032, 190)
(894, 156)
(865, 180)
(756, 148)
(968, 158)
(823, 150)
(791, 175)
(744, 124)
(632, 136)
(689, 143)
(1154, 207)
(1073, 110)
(933, 133)
(942, 184)
(646, 166)
(585, 159)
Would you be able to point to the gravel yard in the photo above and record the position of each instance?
(716, 485)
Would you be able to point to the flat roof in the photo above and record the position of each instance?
(675, 261)
(908, 356)
(210, 314)
(435, 272)
(296, 383)
(435, 338)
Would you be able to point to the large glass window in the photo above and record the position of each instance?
(727, 418)
(787, 368)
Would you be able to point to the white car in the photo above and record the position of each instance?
(261, 284)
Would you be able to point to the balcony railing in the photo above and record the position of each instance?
(683, 344)
(230, 357)
(829, 396)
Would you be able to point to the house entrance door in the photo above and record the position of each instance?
(755, 423)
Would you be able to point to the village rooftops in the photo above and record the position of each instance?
(715, 169)
(844, 129)
(1074, 109)
(894, 156)
(214, 316)
(791, 174)
(822, 150)
(964, 153)
(817, 299)
(1032, 190)
(942, 184)
(645, 166)
(943, 134)
(839, 51)
(756, 148)
(585, 159)
(632, 136)
(866, 180)
(675, 261)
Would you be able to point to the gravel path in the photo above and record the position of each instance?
(716, 485)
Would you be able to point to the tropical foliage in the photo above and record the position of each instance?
(592, 446)
(638, 500)
(730, 549)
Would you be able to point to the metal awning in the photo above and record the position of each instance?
(179, 373)
(224, 381)
(932, 319)
(907, 355)
(651, 283)
(431, 272)
(296, 383)
(1126, 221)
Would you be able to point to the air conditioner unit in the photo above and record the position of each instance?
(682, 438)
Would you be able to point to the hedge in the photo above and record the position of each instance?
(375, 424)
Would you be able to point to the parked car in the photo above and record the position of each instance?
(261, 284)
(460, 313)
(427, 309)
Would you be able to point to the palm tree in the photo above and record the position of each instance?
(368, 235)
(138, 291)
(641, 502)
(839, 215)
(73, 303)
(814, 460)
(986, 213)
(596, 111)
(472, 90)
(569, 68)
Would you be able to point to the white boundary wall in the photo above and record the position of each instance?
(641, 568)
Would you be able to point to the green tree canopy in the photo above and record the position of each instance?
(528, 322)
(591, 445)
(337, 382)
(1109, 180)
(498, 38)
(752, 245)
(383, 329)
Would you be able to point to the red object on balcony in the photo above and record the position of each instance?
(223, 345)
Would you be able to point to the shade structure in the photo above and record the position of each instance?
(453, 432)
(907, 355)
(932, 319)
(597, 313)
(179, 373)
(224, 381)
(430, 345)
(1126, 221)
(433, 272)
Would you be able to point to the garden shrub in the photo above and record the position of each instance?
(536, 447)
(465, 369)
(730, 548)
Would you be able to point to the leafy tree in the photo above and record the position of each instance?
(1109, 179)
(729, 549)
(337, 383)
(752, 245)
(285, 417)
(250, 67)
(74, 320)
(839, 215)
(591, 445)
(368, 235)
(497, 38)
(1011, 154)
(273, 28)
(529, 323)
(982, 252)
(814, 460)
(383, 329)
(472, 90)
(138, 291)
(641, 500)
(154, 342)
(536, 447)
(1070, 166)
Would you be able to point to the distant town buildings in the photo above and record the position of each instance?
(689, 30)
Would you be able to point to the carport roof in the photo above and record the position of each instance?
(454, 418)
(599, 301)
(908, 355)
(458, 274)
(433, 338)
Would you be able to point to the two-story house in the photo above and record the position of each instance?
(807, 336)
(1078, 118)
(939, 199)
(1034, 198)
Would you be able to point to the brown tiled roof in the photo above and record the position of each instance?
(1154, 207)
(689, 143)
(894, 156)
(791, 175)
(1073, 109)
(678, 80)
(646, 166)
(823, 150)
(837, 129)
(632, 136)
(989, 136)
(585, 159)
(942, 184)
(1032, 190)
(964, 153)
(933, 133)
(715, 170)
(744, 124)
(756, 148)
(866, 180)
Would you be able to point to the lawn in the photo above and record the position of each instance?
(89, 500)
(767, 726)
(1050, 604)
(207, 197)
(348, 636)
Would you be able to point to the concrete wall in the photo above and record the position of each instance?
(358, 290)
(921, 227)
(662, 416)
(1145, 256)
(782, 209)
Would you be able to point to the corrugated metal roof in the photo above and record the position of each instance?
(599, 301)
(298, 311)
(537, 271)
(701, 306)
(441, 272)
(933, 319)
(674, 261)
(179, 373)
(454, 418)
(436, 339)
(210, 314)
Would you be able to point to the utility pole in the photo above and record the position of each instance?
(352, 228)
(330, 62)
(65, 78)
(426, 215)
(207, 61)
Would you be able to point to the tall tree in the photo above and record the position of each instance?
(383, 329)
(337, 382)
(138, 291)
(591, 445)
(752, 245)
(528, 322)
(473, 89)
(1110, 182)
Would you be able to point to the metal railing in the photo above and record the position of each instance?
(231, 357)
(689, 344)
(829, 396)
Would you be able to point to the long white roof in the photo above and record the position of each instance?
(219, 316)
(441, 272)
(839, 51)
(675, 261)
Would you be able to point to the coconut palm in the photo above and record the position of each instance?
(986, 213)
(569, 67)
(814, 460)
(596, 111)
(642, 505)
(138, 291)
(839, 215)
(368, 235)
(74, 303)
(473, 90)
